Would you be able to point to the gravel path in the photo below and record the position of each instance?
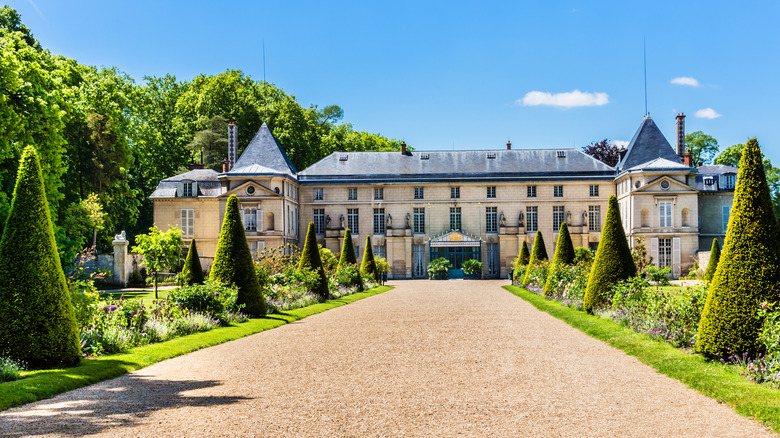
(430, 358)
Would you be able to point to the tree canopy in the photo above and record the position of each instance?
(703, 146)
(604, 151)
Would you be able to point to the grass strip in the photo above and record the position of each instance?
(713, 379)
(41, 384)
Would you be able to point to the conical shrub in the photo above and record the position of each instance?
(522, 259)
(192, 272)
(233, 262)
(564, 255)
(748, 272)
(538, 253)
(347, 250)
(712, 265)
(368, 265)
(613, 261)
(37, 323)
(310, 259)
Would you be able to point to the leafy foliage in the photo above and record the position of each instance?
(161, 251)
(310, 260)
(703, 147)
(639, 254)
(604, 151)
(749, 269)
(439, 269)
(192, 272)
(583, 255)
(472, 267)
(712, 265)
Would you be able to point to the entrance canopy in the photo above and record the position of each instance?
(454, 239)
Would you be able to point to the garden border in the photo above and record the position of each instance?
(42, 384)
(713, 379)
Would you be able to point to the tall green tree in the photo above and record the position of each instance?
(347, 250)
(37, 323)
(368, 264)
(522, 259)
(538, 253)
(161, 250)
(192, 272)
(310, 260)
(211, 142)
(564, 256)
(703, 146)
(748, 272)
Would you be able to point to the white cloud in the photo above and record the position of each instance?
(563, 100)
(620, 143)
(685, 80)
(706, 113)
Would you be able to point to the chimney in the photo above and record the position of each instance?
(225, 165)
(681, 136)
(688, 158)
(232, 145)
(403, 148)
(508, 145)
(194, 166)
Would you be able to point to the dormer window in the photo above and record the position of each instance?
(424, 155)
(189, 189)
(729, 181)
(708, 181)
(491, 155)
(561, 154)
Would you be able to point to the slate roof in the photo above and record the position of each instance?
(660, 164)
(208, 184)
(266, 152)
(648, 144)
(449, 166)
(717, 169)
(195, 175)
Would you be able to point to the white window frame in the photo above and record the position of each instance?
(379, 193)
(665, 214)
(353, 220)
(456, 219)
(187, 216)
(319, 220)
(491, 192)
(379, 221)
(594, 218)
(594, 190)
(319, 195)
(557, 191)
(352, 194)
(454, 192)
(559, 217)
(491, 219)
(531, 192)
(419, 193)
(249, 218)
(531, 219)
(419, 220)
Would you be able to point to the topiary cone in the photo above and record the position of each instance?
(37, 323)
(521, 260)
(538, 253)
(712, 265)
(748, 272)
(368, 265)
(310, 259)
(564, 255)
(347, 250)
(613, 261)
(233, 262)
(192, 272)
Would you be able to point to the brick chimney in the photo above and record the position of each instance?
(232, 145)
(194, 166)
(225, 165)
(681, 136)
(688, 158)
(403, 148)
(508, 145)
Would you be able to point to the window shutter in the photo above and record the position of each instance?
(260, 220)
(179, 190)
(183, 221)
(195, 189)
(676, 257)
(654, 249)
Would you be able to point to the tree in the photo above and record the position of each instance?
(37, 323)
(161, 251)
(731, 157)
(233, 262)
(748, 272)
(564, 256)
(368, 265)
(211, 142)
(604, 151)
(639, 254)
(538, 253)
(347, 250)
(613, 261)
(310, 260)
(712, 265)
(192, 272)
(521, 260)
(703, 147)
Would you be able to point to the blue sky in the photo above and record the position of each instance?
(439, 75)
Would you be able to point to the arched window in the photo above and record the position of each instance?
(686, 217)
(269, 221)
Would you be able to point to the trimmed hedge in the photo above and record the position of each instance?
(538, 253)
(37, 323)
(310, 259)
(613, 261)
(368, 265)
(749, 269)
(522, 256)
(564, 255)
(233, 262)
(712, 265)
(347, 250)
(192, 272)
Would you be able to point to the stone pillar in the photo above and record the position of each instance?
(120, 259)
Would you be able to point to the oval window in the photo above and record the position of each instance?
(665, 185)
(250, 190)
(638, 184)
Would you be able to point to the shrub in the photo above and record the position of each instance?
(192, 272)
(582, 255)
(522, 259)
(564, 254)
(292, 289)
(639, 255)
(347, 250)
(85, 300)
(748, 272)
(538, 253)
(712, 265)
(310, 260)
(439, 268)
(472, 267)
(348, 276)
(329, 261)
(233, 262)
(658, 276)
(536, 275)
(211, 298)
(568, 284)
(382, 266)
(368, 265)
(613, 261)
(9, 369)
(37, 323)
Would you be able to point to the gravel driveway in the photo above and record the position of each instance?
(429, 358)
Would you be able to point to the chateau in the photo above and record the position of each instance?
(417, 206)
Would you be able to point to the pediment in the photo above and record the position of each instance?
(252, 189)
(455, 238)
(665, 184)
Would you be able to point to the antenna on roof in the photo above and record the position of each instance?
(644, 53)
(263, 60)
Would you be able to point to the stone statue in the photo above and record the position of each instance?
(502, 218)
(341, 220)
(327, 220)
(121, 236)
(568, 216)
(389, 221)
(520, 219)
(408, 220)
(584, 216)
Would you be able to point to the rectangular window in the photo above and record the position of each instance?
(318, 195)
(491, 192)
(187, 222)
(454, 192)
(725, 215)
(379, 251)
(665, 214)
(419, 193)
(491, 219)
(419, 220)
(594, 191)
(379, 221)
(455, 223)
(558, 217)
(352, 194)
(594, 218)
(250, 219)
(353, 220)
(188, 189)
(319, 220)
(558, 191)
(531, 219)
(664, 253)
(531, 191)
(379, 193)
(729, 181)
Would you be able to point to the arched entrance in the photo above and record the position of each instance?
(457, 247)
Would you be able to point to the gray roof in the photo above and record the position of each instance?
(266, 152)
(196, 175)
(717, 169)
(660, 164)
(208, 184)
(449, 166)
(648, 144)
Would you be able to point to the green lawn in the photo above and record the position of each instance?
(41, 384)
(713, 379)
